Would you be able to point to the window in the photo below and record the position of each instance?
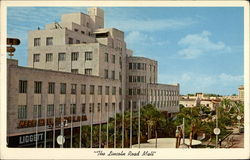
(49, 41)
(139, 66)
(113, 59)
(83, 89)
(91, 107)
(36, 57)
(134, 104)
(113, 74)
(63, 88)
(37, 111)
(130, 66)
(70, 40)
(106, 107)
(82, 32)
(51, 89)
(134, 65)
(61, 56)
(138, 91)
(120, 106)
(62, 109)
(92, 89)
(38, 87)
(99, 90)
(106, 58)
(73, 109)
(106, 73)
(73, 88)
(37, 41)
(74, 71)
(113, 90)
(50, 110)
(74, 56)
(107, 90)
(88, 56)
(22, 86)
(120, 60)
(130, 78)
(83, 108)
(98, 107)
(88, 71)
(120, 91)
(22, 112)
(130, 91)
(77, 41)
(113, 106)
(134, 91)
(120, 76)
(76, 30)
(49, 57)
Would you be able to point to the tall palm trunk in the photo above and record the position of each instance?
(191, 138)
(126, 138)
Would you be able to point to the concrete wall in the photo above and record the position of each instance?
(16, 73)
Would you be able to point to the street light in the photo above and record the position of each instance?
(183, 145)
(239, 118)
(60, 139)
(216, 130)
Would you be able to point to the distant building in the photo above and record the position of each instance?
(241, 93)
(79, 71)
(199, 99)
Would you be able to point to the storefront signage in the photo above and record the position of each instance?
(25, 139)
(50, 121)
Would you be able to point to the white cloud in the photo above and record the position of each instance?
(192, 82)
(195, 45)
(228, 77)
(136, 39)
(151, 25)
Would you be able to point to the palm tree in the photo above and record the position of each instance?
(152, 117)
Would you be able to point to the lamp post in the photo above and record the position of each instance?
(183, 145)
(239, 118)
(60, 139)
(216, 130)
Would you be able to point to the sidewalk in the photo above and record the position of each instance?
(235, 140)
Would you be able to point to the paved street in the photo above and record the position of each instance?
(235, 140)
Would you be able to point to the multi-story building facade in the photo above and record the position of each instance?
(80, 71)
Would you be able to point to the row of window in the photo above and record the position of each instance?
(137, 91)
(87, 71)
(141, 66)
(38, 110)
(137, 79)
(62, 56)
(106, 58)
(23, 85)
(112, 76)
(49, 41)
(163, 92)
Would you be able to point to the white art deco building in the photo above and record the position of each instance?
(80, 71)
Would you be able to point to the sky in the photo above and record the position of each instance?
(201, 48)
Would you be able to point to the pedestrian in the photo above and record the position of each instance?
(177, 135)
(220, 141)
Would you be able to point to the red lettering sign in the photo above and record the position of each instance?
(50, 121)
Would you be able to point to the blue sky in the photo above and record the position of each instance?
(199, 47)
